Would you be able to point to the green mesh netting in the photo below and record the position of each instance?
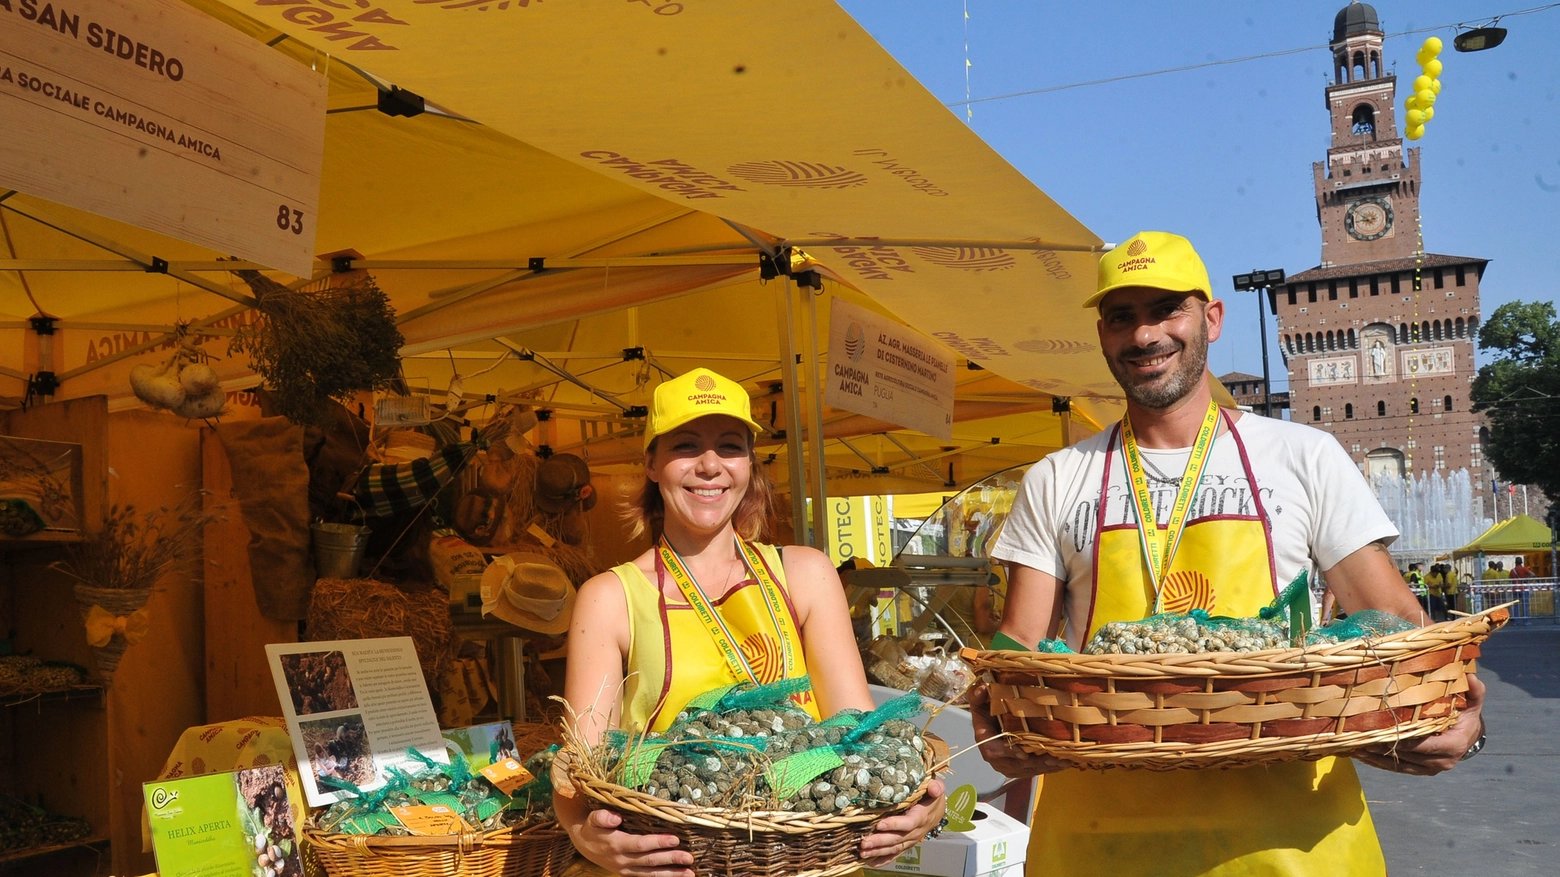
(1365, 624)
(789, 774)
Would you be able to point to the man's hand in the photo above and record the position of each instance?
(1003, 754)
(1428, 756)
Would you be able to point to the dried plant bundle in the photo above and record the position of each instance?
(322, 342)
(135, 551)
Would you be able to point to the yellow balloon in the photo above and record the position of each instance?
(1412, 103)
(1429, 113)
(1435, 86)
(1433, 68)
(1426, 98)
(1416, 132)
(1433, 46)
(1422, 83)
(1414, 118)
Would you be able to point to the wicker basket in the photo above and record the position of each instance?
(540, 851)
(755, 844)
(533, 737)
(1235, 709)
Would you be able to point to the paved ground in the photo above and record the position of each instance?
(1498, 813)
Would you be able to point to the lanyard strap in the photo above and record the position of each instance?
(711, 618)
(1160, 554)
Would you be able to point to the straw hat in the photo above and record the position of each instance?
(528, 590)
(561, 481)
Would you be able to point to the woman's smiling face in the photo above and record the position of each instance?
(702, 469)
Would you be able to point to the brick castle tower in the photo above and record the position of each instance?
(1379, 338)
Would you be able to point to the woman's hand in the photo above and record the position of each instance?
(892, 836)
(599, 839)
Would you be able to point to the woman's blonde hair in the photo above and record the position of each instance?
(751, 520)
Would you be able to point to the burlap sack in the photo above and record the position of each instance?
(272, 485)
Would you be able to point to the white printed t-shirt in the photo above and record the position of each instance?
(1318, 504)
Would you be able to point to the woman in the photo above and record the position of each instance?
(782, 614)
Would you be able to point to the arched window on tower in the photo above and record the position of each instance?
(1402, 337)
(1316, 412)
(1461, 328)
(1381, 409)
(1375, 65)
(1365, 121)
(1413, 405)
(1354, 341)
(1424, 331)
(1447, 403)
(1348, 411)
(1357, 67)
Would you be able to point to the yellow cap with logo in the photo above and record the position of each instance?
(1154, 259)
(697, 394)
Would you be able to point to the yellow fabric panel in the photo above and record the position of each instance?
(682, 104)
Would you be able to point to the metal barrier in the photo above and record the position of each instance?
(1536, 598)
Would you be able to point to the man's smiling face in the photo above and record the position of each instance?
(1156, 342)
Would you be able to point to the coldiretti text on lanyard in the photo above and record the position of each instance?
(710, 618)
(1159, 553)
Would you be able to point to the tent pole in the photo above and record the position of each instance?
(819, 490)
(793, 412)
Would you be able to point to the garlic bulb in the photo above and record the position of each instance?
(157, 386)
(198, 379)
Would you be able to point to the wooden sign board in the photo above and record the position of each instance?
(153, 113)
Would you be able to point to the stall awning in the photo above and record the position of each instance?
(789, 121)
(1516, 535)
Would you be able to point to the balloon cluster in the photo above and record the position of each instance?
(1420, 106)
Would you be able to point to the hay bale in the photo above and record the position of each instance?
(366, 609)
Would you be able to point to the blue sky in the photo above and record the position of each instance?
(1223, 154)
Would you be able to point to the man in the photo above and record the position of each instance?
(1435, 591)
(1266, 500)
(1414, 580)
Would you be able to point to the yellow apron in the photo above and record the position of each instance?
(1289, 819)
(673, 659)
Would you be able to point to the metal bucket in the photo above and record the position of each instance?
(338, 549)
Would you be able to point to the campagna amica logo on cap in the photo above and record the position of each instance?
(704, 382)
(1137, 247)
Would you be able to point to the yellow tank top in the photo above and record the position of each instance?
(672, 659)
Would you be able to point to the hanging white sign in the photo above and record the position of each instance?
(887, 370)
(153, 113)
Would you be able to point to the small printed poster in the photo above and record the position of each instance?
(224, 825)
(483, 745)
(881, 368)
(353, 708)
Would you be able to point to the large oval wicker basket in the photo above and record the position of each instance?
(1235, 709)
(751, 844)
(539, 851)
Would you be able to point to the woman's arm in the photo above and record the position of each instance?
(598, 648)
(839, 682)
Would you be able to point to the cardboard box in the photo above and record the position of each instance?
(996, 848)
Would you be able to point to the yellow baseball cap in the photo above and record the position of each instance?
(697, 394)
(1155, 259)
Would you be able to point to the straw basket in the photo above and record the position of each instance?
(119, 602)
(541, 851)
(748, 844)
(1235, 709)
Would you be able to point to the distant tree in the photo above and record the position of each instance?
(1520, 392)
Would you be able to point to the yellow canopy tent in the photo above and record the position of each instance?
(1516, 535)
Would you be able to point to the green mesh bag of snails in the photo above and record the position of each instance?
(748, 748)
(1284, 623)
(481, 804)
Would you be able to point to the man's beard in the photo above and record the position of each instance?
(1164, 390)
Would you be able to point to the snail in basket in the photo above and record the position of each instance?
(1185, 635)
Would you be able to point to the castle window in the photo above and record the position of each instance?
(1402, 337)
(1348, 411)
(1440, 281)
(1310, 292)
(1395, 289)
(1413, 405)
(1462, 328)
(1374, 289)
(1381, 409)
(1447, 403)
(1462, 279)
(1354, 288)
(1354, 340)
(1347, 172)
(1332, 290)
(1316, 412)
(1292, 294)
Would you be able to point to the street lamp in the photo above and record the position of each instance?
(1259, 282)
(1479, 39)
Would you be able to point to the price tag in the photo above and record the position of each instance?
(507, 774)
(430, 819)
